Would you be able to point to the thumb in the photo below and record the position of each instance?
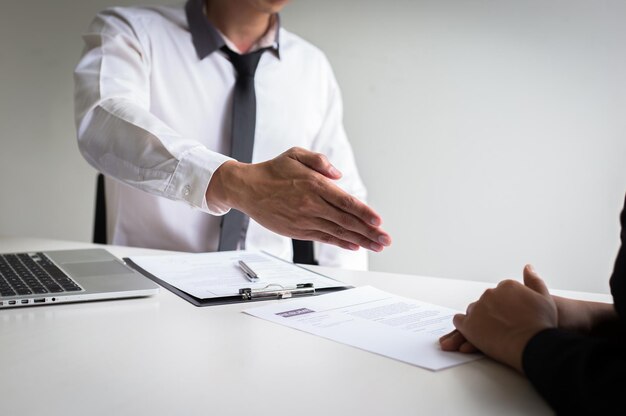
(316, 161)
(534, 282)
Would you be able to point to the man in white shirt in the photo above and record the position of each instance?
(153, 109)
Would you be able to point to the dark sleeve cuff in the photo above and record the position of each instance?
(577, 374)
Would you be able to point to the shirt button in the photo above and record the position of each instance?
(186, 190)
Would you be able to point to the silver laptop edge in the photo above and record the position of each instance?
(100, 275)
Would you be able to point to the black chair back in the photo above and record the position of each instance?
(100, 217)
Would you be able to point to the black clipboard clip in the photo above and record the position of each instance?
(276, 291)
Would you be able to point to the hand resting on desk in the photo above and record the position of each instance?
(502, 321)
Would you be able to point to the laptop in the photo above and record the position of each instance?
(50, 277)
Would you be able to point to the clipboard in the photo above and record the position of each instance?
(271, 291)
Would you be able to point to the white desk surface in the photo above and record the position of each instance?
(163, 356)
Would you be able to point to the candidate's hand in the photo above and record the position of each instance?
(294, 195)
(503, 320)
(573, 315)
(455, 341)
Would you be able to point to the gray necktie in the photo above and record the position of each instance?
(234, 225)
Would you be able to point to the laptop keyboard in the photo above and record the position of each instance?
(32, 273)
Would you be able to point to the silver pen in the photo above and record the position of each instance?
(250, 274)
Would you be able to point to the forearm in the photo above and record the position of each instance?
(584, 316)
(123, 140)
(605, 321)
(601, 314)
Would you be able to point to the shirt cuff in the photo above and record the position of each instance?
(192, 177)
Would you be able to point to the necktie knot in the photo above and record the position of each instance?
(245, 64)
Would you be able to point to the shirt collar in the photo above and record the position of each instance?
(205, 37)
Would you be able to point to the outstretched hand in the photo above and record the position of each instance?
(294, 195)
(503, 320)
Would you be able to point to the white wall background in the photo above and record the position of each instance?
(490, 133)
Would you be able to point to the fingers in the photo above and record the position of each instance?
(452, 341)
(468, 348)
(345, 217)
(351, 205)
(448, 335)
(342, 233)
(469, 308)
(334, 195)
(315, 161)
(458, 321)
(455, 341)
(323, 211)
(534, 282)
(323, 237)
(348, 227)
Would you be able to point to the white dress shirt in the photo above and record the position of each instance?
(153, 98)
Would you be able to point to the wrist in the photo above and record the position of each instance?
(222, 186)
(583, 316)
(600, 314)
(516, 344)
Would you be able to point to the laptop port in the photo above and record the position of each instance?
(40, 300)
(11, 302)
(24, 301)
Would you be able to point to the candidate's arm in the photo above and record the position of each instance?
(585, 374)
(574, 315)
(584, 317)
(575, 367)
(517, 325)
(578, 374)
(505, 318)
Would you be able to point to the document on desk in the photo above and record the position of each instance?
(216, 275)
(372, 320)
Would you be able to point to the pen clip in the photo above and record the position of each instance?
(281, 292)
